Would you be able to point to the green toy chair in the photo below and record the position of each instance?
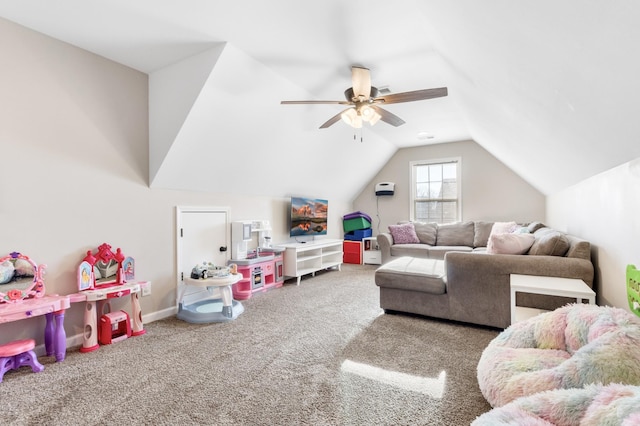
(633, 289)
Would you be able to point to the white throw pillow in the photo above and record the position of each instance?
(510, 243)
(500, 228)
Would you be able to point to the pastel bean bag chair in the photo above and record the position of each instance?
(594, 405)
(570, 347)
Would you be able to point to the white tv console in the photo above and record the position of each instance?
(308, 258)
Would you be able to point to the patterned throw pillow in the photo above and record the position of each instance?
(404, 234)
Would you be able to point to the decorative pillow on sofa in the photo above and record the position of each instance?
(426, 232)
(404, 234)
(549, 242)
(456, 234)
(500, 228)
(510, 243)
(534, 226)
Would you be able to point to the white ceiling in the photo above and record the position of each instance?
(549, 87)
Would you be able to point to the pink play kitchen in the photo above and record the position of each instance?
(262, 266)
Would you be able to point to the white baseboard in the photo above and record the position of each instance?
(158, 315)
(77, 339)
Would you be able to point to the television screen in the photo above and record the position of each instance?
(308, 216)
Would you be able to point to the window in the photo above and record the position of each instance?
(435, 192)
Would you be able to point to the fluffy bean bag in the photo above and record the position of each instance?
(594, 405)
(570, 347)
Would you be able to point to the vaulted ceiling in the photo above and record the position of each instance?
(548, 87)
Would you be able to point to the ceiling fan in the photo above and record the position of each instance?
(364, 100)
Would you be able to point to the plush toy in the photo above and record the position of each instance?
(7, 271)
(24, 268)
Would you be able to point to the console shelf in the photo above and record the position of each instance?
(308, 258)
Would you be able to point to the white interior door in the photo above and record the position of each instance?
(202, 236)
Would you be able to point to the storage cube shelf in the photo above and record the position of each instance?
(371, 251)
(352, 252)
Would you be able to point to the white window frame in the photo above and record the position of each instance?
(412, 171)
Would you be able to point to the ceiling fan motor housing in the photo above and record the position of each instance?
(348, 94)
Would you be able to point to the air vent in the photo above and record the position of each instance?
(384, 90)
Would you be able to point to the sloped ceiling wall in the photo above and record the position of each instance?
(549, 88)
(216, 124)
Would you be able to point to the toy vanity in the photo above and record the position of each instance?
(22, 296)
(104, 276)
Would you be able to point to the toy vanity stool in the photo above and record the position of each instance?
(17, 354)
(114, 327)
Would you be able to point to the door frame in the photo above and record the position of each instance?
(197, 209)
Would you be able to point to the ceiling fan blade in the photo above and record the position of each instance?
(388, 117)
(314, 102)
(333, 120)
(416, 95)
(361, 81)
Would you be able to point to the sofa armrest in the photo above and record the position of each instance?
(484, 279)
(385, 241)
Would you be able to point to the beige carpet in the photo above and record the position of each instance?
(321, 353)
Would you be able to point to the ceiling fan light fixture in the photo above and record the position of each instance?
(351, 117)
(365, 101)
(366, 112)
(348, 115)
(375, 117)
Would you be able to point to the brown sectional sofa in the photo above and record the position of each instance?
(474, 285)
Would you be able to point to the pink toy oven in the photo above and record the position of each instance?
(114, 327)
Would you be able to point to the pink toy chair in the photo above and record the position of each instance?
(16, 354)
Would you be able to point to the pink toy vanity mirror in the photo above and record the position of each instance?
(20, 278)
(105, 268)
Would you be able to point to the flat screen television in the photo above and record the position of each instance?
(308, 216)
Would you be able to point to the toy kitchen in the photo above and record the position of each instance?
(260, 264)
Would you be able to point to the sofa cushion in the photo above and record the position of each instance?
(510, 243)
(438, 252)
(414, 250)
(456, 234)
(549, 242)
(482, 232)
(578, 248)
(408, 273)
(404, 234)
(426, 232)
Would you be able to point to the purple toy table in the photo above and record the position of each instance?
(52, 307)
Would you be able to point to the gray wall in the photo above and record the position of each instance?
(490, 190)
(74, 139)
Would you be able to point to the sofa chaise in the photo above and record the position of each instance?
(450, 273)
